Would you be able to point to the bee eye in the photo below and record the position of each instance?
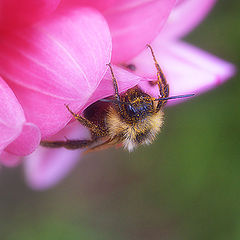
(131, 110)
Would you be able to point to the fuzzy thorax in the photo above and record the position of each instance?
(134, 134)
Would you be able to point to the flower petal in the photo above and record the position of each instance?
(27, 142)
(98, 4)
(15, 13)
(46, 166)
(11, 115)
(187, 68)
(185, 16)
(9, 160)
(57, 62)
(133, 24)
(125, 80)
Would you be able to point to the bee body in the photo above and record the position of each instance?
(137, 123)
(133, 123)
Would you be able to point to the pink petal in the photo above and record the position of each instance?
(133, 24)
(11, 115)
(57, 62)
(185, 16)
(98, 4)
(187, 68)
(9, 160)
(27, 142)
(15, 13)
(125, 80)
(45, 167)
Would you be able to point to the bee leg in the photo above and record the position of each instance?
(162, 83)
(115, 85)
(101, 146)
(69, 144)
(85, 122)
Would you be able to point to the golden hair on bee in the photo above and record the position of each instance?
(130, 119)
(141, 121)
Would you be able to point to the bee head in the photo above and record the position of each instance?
(136, 105)
(138, 109)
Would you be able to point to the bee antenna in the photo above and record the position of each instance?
(106, 100)
(174, 97)
(110, 100)
(113, 101)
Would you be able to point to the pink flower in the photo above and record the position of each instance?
(18, 137)
(57, 54)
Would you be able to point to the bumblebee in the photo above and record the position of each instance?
(129, 119)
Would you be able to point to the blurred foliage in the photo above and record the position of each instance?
(184, 186)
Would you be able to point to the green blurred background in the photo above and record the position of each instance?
(184, 186)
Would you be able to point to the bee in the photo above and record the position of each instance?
(130, 119)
